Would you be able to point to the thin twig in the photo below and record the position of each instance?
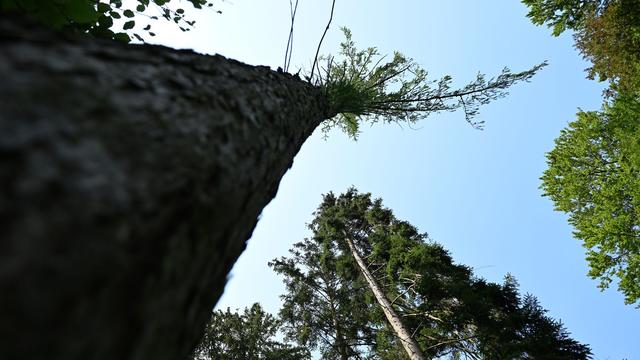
(287, 54)
(315, 59)
(383, 80)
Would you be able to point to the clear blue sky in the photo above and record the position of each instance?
(476, 192)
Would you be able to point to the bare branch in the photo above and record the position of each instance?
(315, 59)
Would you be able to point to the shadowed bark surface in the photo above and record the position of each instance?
(130, 179)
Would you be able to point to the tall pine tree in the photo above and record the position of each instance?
(447, 310)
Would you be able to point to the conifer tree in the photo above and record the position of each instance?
(251, 334)
(447, 310)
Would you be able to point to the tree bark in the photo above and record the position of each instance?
(410, 345)
(130, 179)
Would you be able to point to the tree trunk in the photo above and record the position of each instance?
(130, 179)
(409, 344)
(341, 343)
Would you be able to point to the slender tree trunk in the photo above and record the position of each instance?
(341, 343)
(130, 179)
(409, 344)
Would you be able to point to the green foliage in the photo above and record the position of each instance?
(96, 17)
(594, 176)
(561, 15)
(593, 170)
(362, 87)
(250, 335)
(611, 42)
(451, 313)
(325, 306)
(607, 33)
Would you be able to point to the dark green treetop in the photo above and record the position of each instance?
(594, 176)
(450, 312)
(250, 335)
(325, 305)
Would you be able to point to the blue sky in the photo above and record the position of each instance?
(476, 192)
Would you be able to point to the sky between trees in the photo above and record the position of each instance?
(476, 192)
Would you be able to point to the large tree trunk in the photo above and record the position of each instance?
(410, 345)
(130, 179)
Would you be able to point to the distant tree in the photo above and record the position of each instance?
(607, 33)
(561, 15)
(594, 167)
(325, 306)
(248, 336)
(611, 42)
(444, 308)
(542, 337)
(594, 176)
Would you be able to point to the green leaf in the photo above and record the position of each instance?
(105, 22)
(128, 13)
(104, 7)
(122, 37)
(80, 11)
(129, 25)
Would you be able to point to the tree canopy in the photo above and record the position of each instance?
(594, 176)
(593, 170)
(251, 334)
(325, 306)
(611, 42)
(449, 311)
(561, 15)
(607, 33)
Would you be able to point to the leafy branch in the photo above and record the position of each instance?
(362, 87)
(96, 17)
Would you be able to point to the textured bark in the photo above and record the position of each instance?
(410, 345)
(130, 179)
